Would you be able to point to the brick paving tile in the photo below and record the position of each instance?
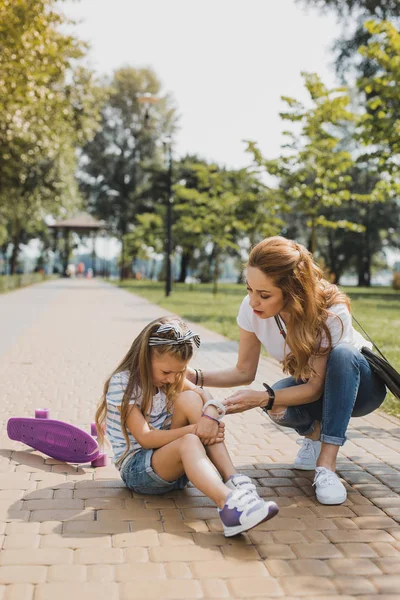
(19, 591)
(308, 585)
(70, 530)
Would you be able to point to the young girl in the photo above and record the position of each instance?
(304, 322)
(165, 431)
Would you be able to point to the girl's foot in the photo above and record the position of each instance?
(328, 487)
(241, 482)
(307, 456)
(244, 510)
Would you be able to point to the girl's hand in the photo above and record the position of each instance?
(244, 400)
(209, 431)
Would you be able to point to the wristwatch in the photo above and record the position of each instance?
(271, 395)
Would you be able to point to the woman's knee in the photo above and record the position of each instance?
(344, 355)
(282, 384)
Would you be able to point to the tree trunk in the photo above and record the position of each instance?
(14, 256)
(313, 240)
(365, 260)
(216, 272)
(185, 259)
(122, 263)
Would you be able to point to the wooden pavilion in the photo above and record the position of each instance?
(82, 224)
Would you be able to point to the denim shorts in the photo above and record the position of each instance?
(139, 476)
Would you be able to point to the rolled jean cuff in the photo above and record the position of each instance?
(305, 430)
(330, 439)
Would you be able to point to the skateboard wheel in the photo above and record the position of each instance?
(42, 413)
(93, 429)
(100, 461)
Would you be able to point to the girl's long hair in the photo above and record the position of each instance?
(307, 298)
(137, 363)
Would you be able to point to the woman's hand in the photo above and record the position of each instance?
(244, 400)
(210, 432)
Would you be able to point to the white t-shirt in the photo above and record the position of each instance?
(159, 417)
(268, 333)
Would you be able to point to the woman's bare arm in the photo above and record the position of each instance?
(292, 396)
(246, 367)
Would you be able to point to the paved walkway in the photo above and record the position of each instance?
(76, 532)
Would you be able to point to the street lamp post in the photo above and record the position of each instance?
(147, 100)
(168, 249)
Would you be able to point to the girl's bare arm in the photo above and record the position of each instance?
(153, 438)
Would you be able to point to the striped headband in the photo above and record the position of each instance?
(181, 338)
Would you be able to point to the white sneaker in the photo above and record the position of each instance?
(328, 487)
(244, 510)
(241, 482)
(307, 456)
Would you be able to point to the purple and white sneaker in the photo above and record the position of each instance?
(244, 510)
(241, 482)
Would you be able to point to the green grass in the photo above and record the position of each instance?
(377, 309)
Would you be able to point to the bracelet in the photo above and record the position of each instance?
(218, 405)
(197, 376)
(210, 417)
(201, 378)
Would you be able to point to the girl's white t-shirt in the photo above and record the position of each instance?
(267, 331)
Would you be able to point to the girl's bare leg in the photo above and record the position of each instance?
(187, 410)
(188, 455)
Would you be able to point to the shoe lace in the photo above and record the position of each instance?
(325, 477)
(307, 448)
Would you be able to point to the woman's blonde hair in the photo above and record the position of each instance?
(306, 295)
(137, 363)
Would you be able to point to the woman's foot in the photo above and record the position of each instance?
(307, 456)
(244, 510)
(328, 487)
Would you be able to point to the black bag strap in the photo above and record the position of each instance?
(370, 339)
(280, 326)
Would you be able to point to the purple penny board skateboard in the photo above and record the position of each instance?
(57, 439)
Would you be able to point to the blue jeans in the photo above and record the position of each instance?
(351, 389)
(139, 476)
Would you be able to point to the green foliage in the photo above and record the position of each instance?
(380, 124)
(49, 104)
(315, 173)
(348, 60)
(8, 283)
(221, 207)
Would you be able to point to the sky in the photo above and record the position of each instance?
(225, 62)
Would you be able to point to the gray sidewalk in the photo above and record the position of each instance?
(74, 531)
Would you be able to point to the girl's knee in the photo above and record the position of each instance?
(188, 398)
(190, 440)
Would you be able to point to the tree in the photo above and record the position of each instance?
(219, 207)
(317, 175)
(346, 48)
(380, 123)
(49, 104)
(116, 166)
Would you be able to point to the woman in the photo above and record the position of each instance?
(304, 322)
